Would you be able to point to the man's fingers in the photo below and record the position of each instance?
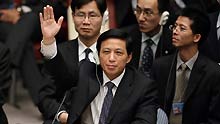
(60, 20)
(41, 18)
(48, 13)
(51, 13)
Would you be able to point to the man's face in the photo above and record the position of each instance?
(182, 33)
(113, 57)
(148, 17)
(88, 20)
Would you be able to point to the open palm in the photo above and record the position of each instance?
(49, 26)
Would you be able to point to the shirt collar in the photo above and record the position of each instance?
(82, 47)
(155, 38)
(115, 81)
(189, 63)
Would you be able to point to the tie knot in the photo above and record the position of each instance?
(183, 67)
(110, 85)
(149, 42)
(87, 51)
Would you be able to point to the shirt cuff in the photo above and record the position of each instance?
(58, 114)
(49, 51)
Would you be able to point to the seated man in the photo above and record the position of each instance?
(61, 69)
(189, 88)
(112, 92)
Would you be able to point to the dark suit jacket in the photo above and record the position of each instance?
(164, 47)
(134, 101)
(202, 98)
(5, 74)
(211, 47)
(62, 74)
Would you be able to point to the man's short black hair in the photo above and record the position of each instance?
(200, 21)
(77, 4)
(116, 33)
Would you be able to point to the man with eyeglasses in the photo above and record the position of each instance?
(61, 69)
(188, 82)
(152, 37)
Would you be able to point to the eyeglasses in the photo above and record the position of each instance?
(146, 12)
(180, 28)
(91, 16)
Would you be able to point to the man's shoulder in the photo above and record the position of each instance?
(164, 59)
(67, 45)
(210, 65)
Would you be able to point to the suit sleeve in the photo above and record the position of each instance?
(53, 90)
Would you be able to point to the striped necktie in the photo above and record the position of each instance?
(87, 51)
(106, 104)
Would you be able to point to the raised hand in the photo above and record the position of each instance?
(49, 26)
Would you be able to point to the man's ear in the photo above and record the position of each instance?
(164, 17)
(197, 37)
(129, 58)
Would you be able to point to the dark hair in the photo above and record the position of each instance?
(76, 4)
(116, 33)
(200, 21)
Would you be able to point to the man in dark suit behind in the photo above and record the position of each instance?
(196, 98)
(124, 16)
(151, 18)
(134, 95)
(61, 68)
(211, 48)
(5, 74)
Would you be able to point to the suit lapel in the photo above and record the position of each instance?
(169, 92)
(195, 77)
(137, 51)
(86, 91)
(94, 83)
(122, 94)
(165, 46)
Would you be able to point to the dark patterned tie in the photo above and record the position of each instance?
(147, 58)
(106, 104)
(87, 51)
